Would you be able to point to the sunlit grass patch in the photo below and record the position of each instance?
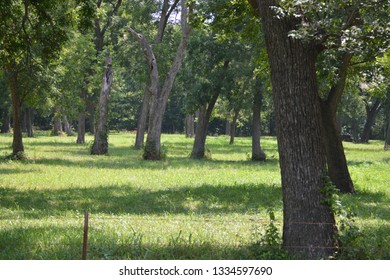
(177, 208)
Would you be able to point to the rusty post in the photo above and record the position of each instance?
(85, 239)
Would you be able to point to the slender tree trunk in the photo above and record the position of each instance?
(142, 121)
(91, 115)
(17, 144)
(233, 126)
(29, 113)
(309, 229)
(335, 156)
(227, 128)
(57, 125)
(257, 153)
(190, 126)
(100, 145)
(199, 147)
(81, 128)
(66, 125)
(6, 126)
(81, 119)
(337, 164)
(387, 140)
(372, 112)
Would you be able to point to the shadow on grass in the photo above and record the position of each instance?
(369, 204)
(129, 200)
(65, 243)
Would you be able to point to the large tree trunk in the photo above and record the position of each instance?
(309, 229)
(29, 113)
(372, 112)
(6, 126)
(142, 121)
(17, 144)
(257, 153)
(387, 140)
(100, 144)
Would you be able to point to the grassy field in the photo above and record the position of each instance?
(173, 209)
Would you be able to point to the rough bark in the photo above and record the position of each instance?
(257, 153)
(17, 144)
(6, 125)
(159, 96)
(100, 144)
(335, 157)
(142, 121)
(309, 229)
(387, 140)
(372, 112)
(190, 126)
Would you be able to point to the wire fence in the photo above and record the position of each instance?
(94, 231)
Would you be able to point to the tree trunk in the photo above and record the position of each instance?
(309, 229)
(159, 97)
(257, 153)
(372, 112)
(29, 113)
(100, 145)
(81, 128)
(57, 125)
(17, 144)
(199, 147)
(142, 121)
(335, 156)
(91, 115)
(233, 126)
(66, 125)
(165, 13)
(189, 126)
(227, 128)
(6, 126)
(81, 119)
(337, 164)
(387, 140)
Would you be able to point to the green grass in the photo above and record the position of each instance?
(173, 209)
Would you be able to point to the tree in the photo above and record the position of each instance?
(100, 144)
(31, 35)
(159, 95)
(308, 224)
